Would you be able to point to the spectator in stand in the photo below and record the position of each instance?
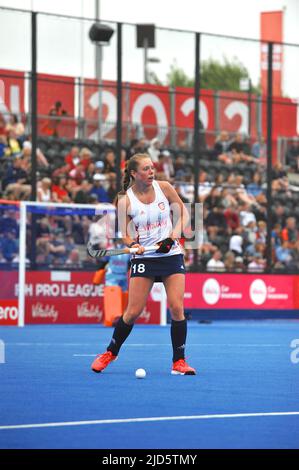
(43, 192)
(215, 263)
(261, 234)
(254, 188)
(42, 228)
(110, 163)
(216, 220)
(221, 147)
(16, 126)
(250, 234)
(85, 156)
(239, 266)
(229, 261)
(71, 251)
(136, 146)
(240, 149)
(8, 245)
(81, 194)
(13, 143)
(236, 242)
(292, 155)
(228, 200)
(259, 150)
(257, 264)
(59, 189)
(181, 170)
(16, 181)
(154, 150)
(8, 221)
(98, 189)
(55, 115)
(231, 215)
(246, 214)
(279, 215)
(4, 150)
(72, 158)
(213, 199)
(56, 248)
(236, 147)
(164, 167)
(276, 236)
(77, 175)
(280, 180)
(290, 232)
(27, 153)
(187, 188)
(111, 188)
(204, 186)
(283, 254)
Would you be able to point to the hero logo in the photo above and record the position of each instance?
(8, 313)
(211, 291)
(258, 292)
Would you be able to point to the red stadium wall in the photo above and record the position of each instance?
(70, 297)
(146, 107)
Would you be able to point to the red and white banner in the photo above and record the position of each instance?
(12, 92)
(150, 108)
(50, 89)
(272, 31)
(54, 297)
(237, 292)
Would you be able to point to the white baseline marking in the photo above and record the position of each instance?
(146, 420)
(241, 345)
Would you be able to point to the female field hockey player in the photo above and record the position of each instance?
(146, 205)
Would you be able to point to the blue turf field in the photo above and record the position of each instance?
(243, 368)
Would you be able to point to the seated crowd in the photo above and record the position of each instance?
(232, 187)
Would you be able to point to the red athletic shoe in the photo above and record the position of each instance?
(181, 367)
(102, 361)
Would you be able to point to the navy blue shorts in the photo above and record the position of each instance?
(157, 267)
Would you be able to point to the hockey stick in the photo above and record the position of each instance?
(117, 251)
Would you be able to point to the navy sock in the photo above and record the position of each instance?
(120, 334)
(178, 333)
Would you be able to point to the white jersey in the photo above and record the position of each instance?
(152, 221)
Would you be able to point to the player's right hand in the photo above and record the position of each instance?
(140, 248)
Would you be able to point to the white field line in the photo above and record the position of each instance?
(239, 345)
(147, 420)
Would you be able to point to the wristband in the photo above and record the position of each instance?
(131, 244)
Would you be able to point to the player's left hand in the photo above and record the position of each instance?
(165, 245)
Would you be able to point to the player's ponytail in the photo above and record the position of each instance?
(131, 165)
(126, 180)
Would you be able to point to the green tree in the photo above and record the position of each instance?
(214, 76)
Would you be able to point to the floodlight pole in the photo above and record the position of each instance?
(196, 147)
(33, 131)
(33, 102)
(119, 107)
(269, 156)
(145, 50)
